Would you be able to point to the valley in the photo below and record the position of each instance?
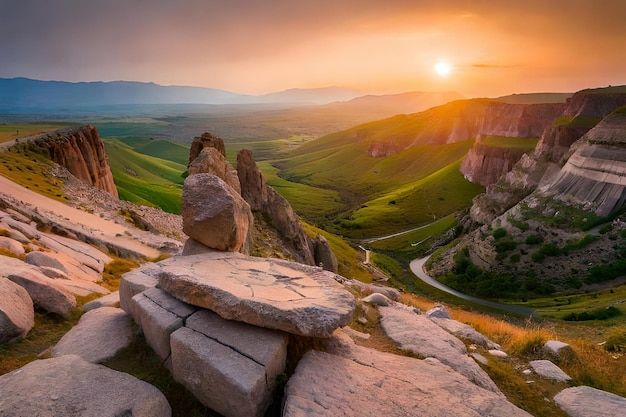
(400, 187)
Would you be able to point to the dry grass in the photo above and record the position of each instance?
(113, 271)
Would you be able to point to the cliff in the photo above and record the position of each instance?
(81, 151)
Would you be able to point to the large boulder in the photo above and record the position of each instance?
(17, 316)
(98, 336)
(230, 367)
(269, 293)
(45, 292)
(211, 161)
(590, 402)
(69, 386)
(417, 333)
(214, 213)
(356, 381)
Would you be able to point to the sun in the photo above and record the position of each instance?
(442, 69)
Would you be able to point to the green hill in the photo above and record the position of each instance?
(144, 179)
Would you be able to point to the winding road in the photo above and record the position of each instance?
(417, 267)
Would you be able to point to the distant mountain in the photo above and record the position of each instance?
(392, 104)
(311, 95)
(32, 95)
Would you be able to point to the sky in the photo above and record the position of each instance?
(492, 47)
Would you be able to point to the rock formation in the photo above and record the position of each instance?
(81, 151)
(266, 200)
(206, 140)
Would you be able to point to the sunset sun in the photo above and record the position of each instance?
(442, 69)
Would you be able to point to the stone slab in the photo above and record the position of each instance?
(98, 336)
(549, 370)
(269, 293)
(17, 316)
(356, 381)
(69, 386)
(590, 402)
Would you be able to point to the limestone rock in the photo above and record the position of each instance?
(389, 292)
(268, 293)
(159, 315)
(555, 346)
(81, 151)
(11, 245)
(135, 282)
(109, 300)
(193, 247)
(212, 161)
(324, 255)
(378, 299)
(45, 292)
(547, 369)
(466, 332)
(368, 383)
(420, 335)
(44, 259)
(230, 367)
(497, 353)
(206, 140)
(590, 402)
(214, 214)
(265, 199)
(98, 336)
(14, 234)
(438, 312)
(17, 316)
(69, 386)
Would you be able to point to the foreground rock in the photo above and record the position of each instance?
(269, 293)
(548, 370)
(214, 214)
(590, 402)
(69, 386)
(17, 316)
(420, 335)
(230, 367)
(356, 381)
(98, 336)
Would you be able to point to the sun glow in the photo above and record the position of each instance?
(442, 69)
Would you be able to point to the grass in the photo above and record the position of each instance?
(509, 142)
(144, 179)
(11, 131)
(32, 171)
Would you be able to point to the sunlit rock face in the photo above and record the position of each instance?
(595, 173)
(81, 151)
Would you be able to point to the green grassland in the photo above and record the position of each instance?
(144, 179)
(508, 142)
(11, 131)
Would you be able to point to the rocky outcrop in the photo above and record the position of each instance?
(206, 140)
(81, 151)
(587, 401)
(211, 161)
(72, 387)
(595, 173)
(265, 199)
(484, 164)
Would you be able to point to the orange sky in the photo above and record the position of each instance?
(260, 46)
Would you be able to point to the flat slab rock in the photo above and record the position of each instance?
(270, 293)
(69, 386)
(356, 381)
(587, 402)
(549, 370)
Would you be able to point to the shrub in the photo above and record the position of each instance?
(616, 340)
(534, 239)
(599, 314)
(499, 233)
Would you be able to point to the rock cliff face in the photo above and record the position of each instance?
(81, 151)
(485, 164)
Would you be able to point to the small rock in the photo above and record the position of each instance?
(498, 353)
(109, 300)
(554, 346)
(44, 259)
(547, 369)
(378, 299)
(438, 312)
(480, 358)
(12, 246)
